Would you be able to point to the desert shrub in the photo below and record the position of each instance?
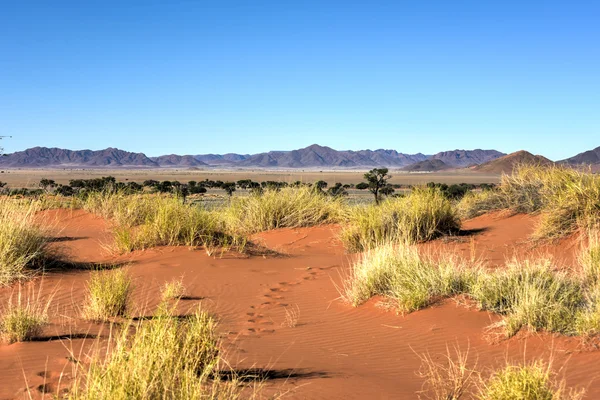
(474, 204)
(533, 381)
(166, 358)
(285, 207)
(23, 316)
(409, 280)
(455, 376)
(567, 199)
(589, 259)
(420, 216)
(448, 377)
(144, 221)
(23, 244)
(108, 295)
(173, 290)
(530, 295)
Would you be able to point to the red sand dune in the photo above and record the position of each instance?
(334, 351)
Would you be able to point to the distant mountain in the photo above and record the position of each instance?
(507, 163)
(218, 159)
(590, 157)
(321, 156)
(174, 160)
(427, 166)
(53, 157)
(314, 156)
(466, 158)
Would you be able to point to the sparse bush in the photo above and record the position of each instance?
(144, 221)
(527, 294)
(533, 381)
(567, 199)
(173, 290)
(455, 377)
(530, 295)
(23, 318)
(23, 244)
(408, 279)
(288, 207)
(420, 216)
(474, 204)
(108, 295)
(448, 378)
(166, 358)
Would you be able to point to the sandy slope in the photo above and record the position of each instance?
(334, 351)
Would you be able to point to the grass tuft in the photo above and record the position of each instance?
(145, 221)
(530, 295)
(533, 381)
(408, 279)
(448, 378)
(173, 290)
(166, 358)
(108, 295)
(23, 243)
(567, 199)
(454, 377)
(23, 318)
(284, 208)
(420, 216)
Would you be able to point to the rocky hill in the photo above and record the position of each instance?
(427, 166)
(590, 157)
(507, 163)
(38, 157)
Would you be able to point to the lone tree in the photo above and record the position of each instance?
(377, 179)
(46, 183)
(229, 188)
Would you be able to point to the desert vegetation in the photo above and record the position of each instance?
(23, 243)
(288, 207)
(419, 216)
(455, 375)
(166, 357)
(108, 295)
(529, 294)
(24, 315)
(567, 199)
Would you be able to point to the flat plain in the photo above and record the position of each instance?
(31, 177)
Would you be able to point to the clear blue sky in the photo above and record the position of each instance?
(193, 77)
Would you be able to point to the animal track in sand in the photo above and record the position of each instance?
(274, 295)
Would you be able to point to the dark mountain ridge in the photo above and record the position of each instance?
(314, 156)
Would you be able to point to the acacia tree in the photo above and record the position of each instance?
(46, 183)
(229, 188)
(377, 180)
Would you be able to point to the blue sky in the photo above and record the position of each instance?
(192, 77)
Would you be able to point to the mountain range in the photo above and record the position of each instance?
(310, 157)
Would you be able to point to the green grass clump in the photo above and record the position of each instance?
(401, 274)
(474, 204)
(422, 215)
(23, 318)
(530, 295)
(284, 208)
(166, 358)
(534, 381)
(145, 221)
(567, 199)
(454, 376)
(173, 290)
(23, 243)
(108, 295)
